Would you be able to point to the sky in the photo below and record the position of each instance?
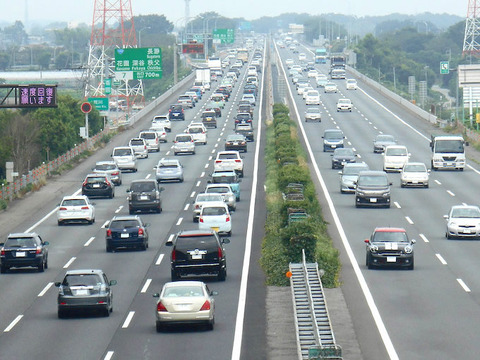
(82, 10)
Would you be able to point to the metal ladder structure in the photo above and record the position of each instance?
(315, 338)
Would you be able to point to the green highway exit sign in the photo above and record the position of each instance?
(224, 36)
(138, 63)
(444, 67)
(100, 103)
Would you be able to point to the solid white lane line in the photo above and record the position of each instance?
(145, 287)
(159, 260)
(128, 319)
(109, 355)
(186, 207)
(45, 289)
(69, 262)
(89, 241)
(463, 285)
(198, 183)
(409, 220)
(442, 260)
(42, 220)
(13, 323)
(105, 224)
(397, 205)
(450, 193)
(179, 221)
(192, 194)
(423, 237)
(438, 182)
(119, 209)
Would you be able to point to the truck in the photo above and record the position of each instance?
(321, 56)
(337, 61)
(448, 152)
(202, 78)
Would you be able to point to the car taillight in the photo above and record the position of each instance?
(39, 250)
(140, 231)
(220, 252)
(109, 232)
(63, 208)
(218, 161)
(2, 252)
(192, 140)
(145, 147)
(161, 307)
(115, 173)
(205, 306)
(228, 218)
(85, 183)
(83, 208)
(238, 161)
(200, 219)
(108, 183)
(174, 255)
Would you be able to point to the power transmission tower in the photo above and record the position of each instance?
(471, 44)
(112, 28)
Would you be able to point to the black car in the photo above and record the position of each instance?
(245, 130)
(144, 195)
(82, 290)
(23, 250)
(389, 246)
(98, 185)
(176, 112)
(198, 252)
(245, 108)
(209, 119)
(236, 142)
(382, 141)
(126, 232)
(218, 111)
(372, 189)
(342, 156)
(243, 118)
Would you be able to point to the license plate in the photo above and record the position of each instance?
(415, 182)
(143, 197)
(374, 200)
(82, 292)
(20, 254)
(467, 231)
(215, 228)
(197, 256)
(333, 146)
(124, 236)
(96, 185)
(447, 164)
(183, 307)
(391, 259)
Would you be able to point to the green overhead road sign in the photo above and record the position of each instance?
(138, 63)
(100, 103)
(444, 67)
(223, 36)
(108, 86)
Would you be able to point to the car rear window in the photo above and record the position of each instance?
(82, 280)
(95, 179)
(20, 242)
(195, 130)
(142, 186)
(124, 224)
(105, 167)
(224, 179)
(74, 202)
(214, 211)
(183, 291)
(193, 242)
(122, 152)
(150, 135)
(183, 139)
(227, 156)
(136, 142)
(217, 190)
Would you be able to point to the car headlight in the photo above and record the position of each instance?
(360, 193)
(387, 194)
(408, 249)
(452, 224)
(373, 248)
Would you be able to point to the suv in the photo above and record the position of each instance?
(176, 112)
(373, 189)
(184, 143)
(169, 169)
(99, 184)
(23, 250)
(152, 139)
(111, 168)
(161, 122)
(126, 232)
(332, 139)
(198, 252)
(125, 158)
(243, 118)
(85, 289)
(139, 145)
(245, 130)
(229, 160)
(144, 195)
(389, 246)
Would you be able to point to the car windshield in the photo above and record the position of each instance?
(415, 168)
(214, 211)
(122, 152)
(396, 152)
(74, 202)
(82, 280)
(390, 236)
(449, 146)
(20, 242)
(183, 291)
(385, 138)
(372, 180)
(343, 152)
(353, 170)
(142, 186)
(465, 213)
(124, 224)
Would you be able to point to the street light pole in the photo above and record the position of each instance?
(140, 35)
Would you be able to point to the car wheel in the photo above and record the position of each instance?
(159, 210)
(46, 264)
(41, 266)
(195, 220)
(412, 265)
(60, 223)
(61, 313)
(112, 194)
(369, 262)
(174, 275)
(448, 236)
(211, 324)
(143, 247)
(402, 185)
(3, 269)
(159, 326)
(109, 248)
(426, 186)
(106, 312)
(222, 275)
(193, 152)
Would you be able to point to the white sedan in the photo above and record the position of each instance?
(414, 174)
(75, 209)
(215, 216)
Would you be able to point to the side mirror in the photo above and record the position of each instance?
(226, 241)
(445, 217)
(112, 282)
(58, 283)
(156, 295)
(413, 241)
(128, 190)
(390, 183)
(169, 243)
(209, 181)
(146, 224)
(367, 241)
(46, 243)
(213, 293)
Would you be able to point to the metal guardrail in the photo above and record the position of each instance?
(315, 338)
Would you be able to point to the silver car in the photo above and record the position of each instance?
(349, 176)
(463, 221)
(111, 168)
(169, 169)
(226, 191)
(125, 158)
(414, 174)
(184, 143)
(152, 139)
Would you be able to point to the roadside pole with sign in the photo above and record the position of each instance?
(86, 107)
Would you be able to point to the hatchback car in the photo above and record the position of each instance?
(229, 160)
(342, 156)
(227, 193)
(313, 114)
(236, 142)
(144, 195)
(372, 189)
(389, 246)
(98, 185)
(111, 168)
(332, 139)
(382, 141)
(344, 105)
(128, 232)
(87, 289)
(215, 216)
(201, 199)
(139, 146)
(245, 130)
(198, 252)
(168, 170)
(183, 143)
(414, 174)
(395, 157)
(185, 302)
(125, 158)
(463, 221)
(75, 209)
(23, 250)
(349, 176)
(152, 139)
(176, 112)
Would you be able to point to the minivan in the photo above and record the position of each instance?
(332, 139)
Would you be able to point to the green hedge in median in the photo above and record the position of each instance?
(286, 163)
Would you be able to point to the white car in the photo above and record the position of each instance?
(161, 122)
(152, 139)
(229, 160)
(227, 193)
(302, 57)
(301, 88)
(312, 97)
(463, 221)
(200, 200)
(250, 98)
(344, 105)
(306, 90)
(161, 133)
(198, 132)
(312, 73)
(75, 209)
(289, 63)
(395, 157)
(414, 174)
(125, 158)
(139, 145)
(215, 216)
(330, 88)
(183, 143)
(352, 84)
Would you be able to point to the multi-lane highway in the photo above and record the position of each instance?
(428, 313)
(30, 327)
